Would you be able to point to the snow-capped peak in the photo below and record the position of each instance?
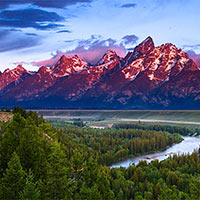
(11, 75)
(108, 56)
(68, 65)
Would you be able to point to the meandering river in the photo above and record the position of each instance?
(188, 145)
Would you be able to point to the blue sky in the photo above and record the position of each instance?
(32, 31)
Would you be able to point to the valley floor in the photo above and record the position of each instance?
(105, 118)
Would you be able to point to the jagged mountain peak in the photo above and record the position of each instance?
(63, 58)
(68, 65)
(12, 75)
(107, 57)
(76, 57)
(146, 46)
(6, 70)
(142, 49)
(44, 69)
(148, 39)
(20, 67)
(157, 66)
(67, 59)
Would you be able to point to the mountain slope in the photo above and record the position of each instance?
(74, 86)
(10, 76)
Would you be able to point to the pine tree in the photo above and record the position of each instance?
(31, 150)
(10, 139)
(57, 183)
(120, 195)
(13, 179)
(30, 191)
(89, 193)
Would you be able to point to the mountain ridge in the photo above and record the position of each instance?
(149, 77)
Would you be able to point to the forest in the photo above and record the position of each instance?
(42, 160)
(112, 145)
(157, 127)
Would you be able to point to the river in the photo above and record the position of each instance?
(188, 145)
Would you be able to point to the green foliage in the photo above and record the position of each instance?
(20, 111)
(8, 110)
(57, 180)
(167, 179)
(32, 151)
(158, 127)
(111, 145)
(10, 139)
(30, 190)
(32, 115)
(13, 179)
(39, 161)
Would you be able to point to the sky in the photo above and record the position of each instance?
(37, 32)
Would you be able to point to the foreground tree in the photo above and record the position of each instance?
(57, 183)
(30, 191)
(13, 180)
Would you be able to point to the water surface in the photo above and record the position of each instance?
(188, 145)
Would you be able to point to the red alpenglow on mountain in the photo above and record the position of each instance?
(150, 77)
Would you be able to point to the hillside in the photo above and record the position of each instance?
(5, 116)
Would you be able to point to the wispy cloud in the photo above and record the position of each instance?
(194, 56)
(194, 46)
(129, 5)
(64, 31)
(31, 34)
(10, 40)
(130, 39)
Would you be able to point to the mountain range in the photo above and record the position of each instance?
(149, 77)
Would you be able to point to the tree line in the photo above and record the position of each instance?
(158, 127)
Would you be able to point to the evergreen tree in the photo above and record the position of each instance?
(120, 195)
(57, 183)
(30, 191)
(89, 193)
(31, 149)
(20, 111)
(10, 139)
(13, 180)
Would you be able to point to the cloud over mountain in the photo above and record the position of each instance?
(194, 56)
(90, 50)
(130, 39)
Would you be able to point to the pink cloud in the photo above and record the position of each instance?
(194, 56)
(91, 51)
